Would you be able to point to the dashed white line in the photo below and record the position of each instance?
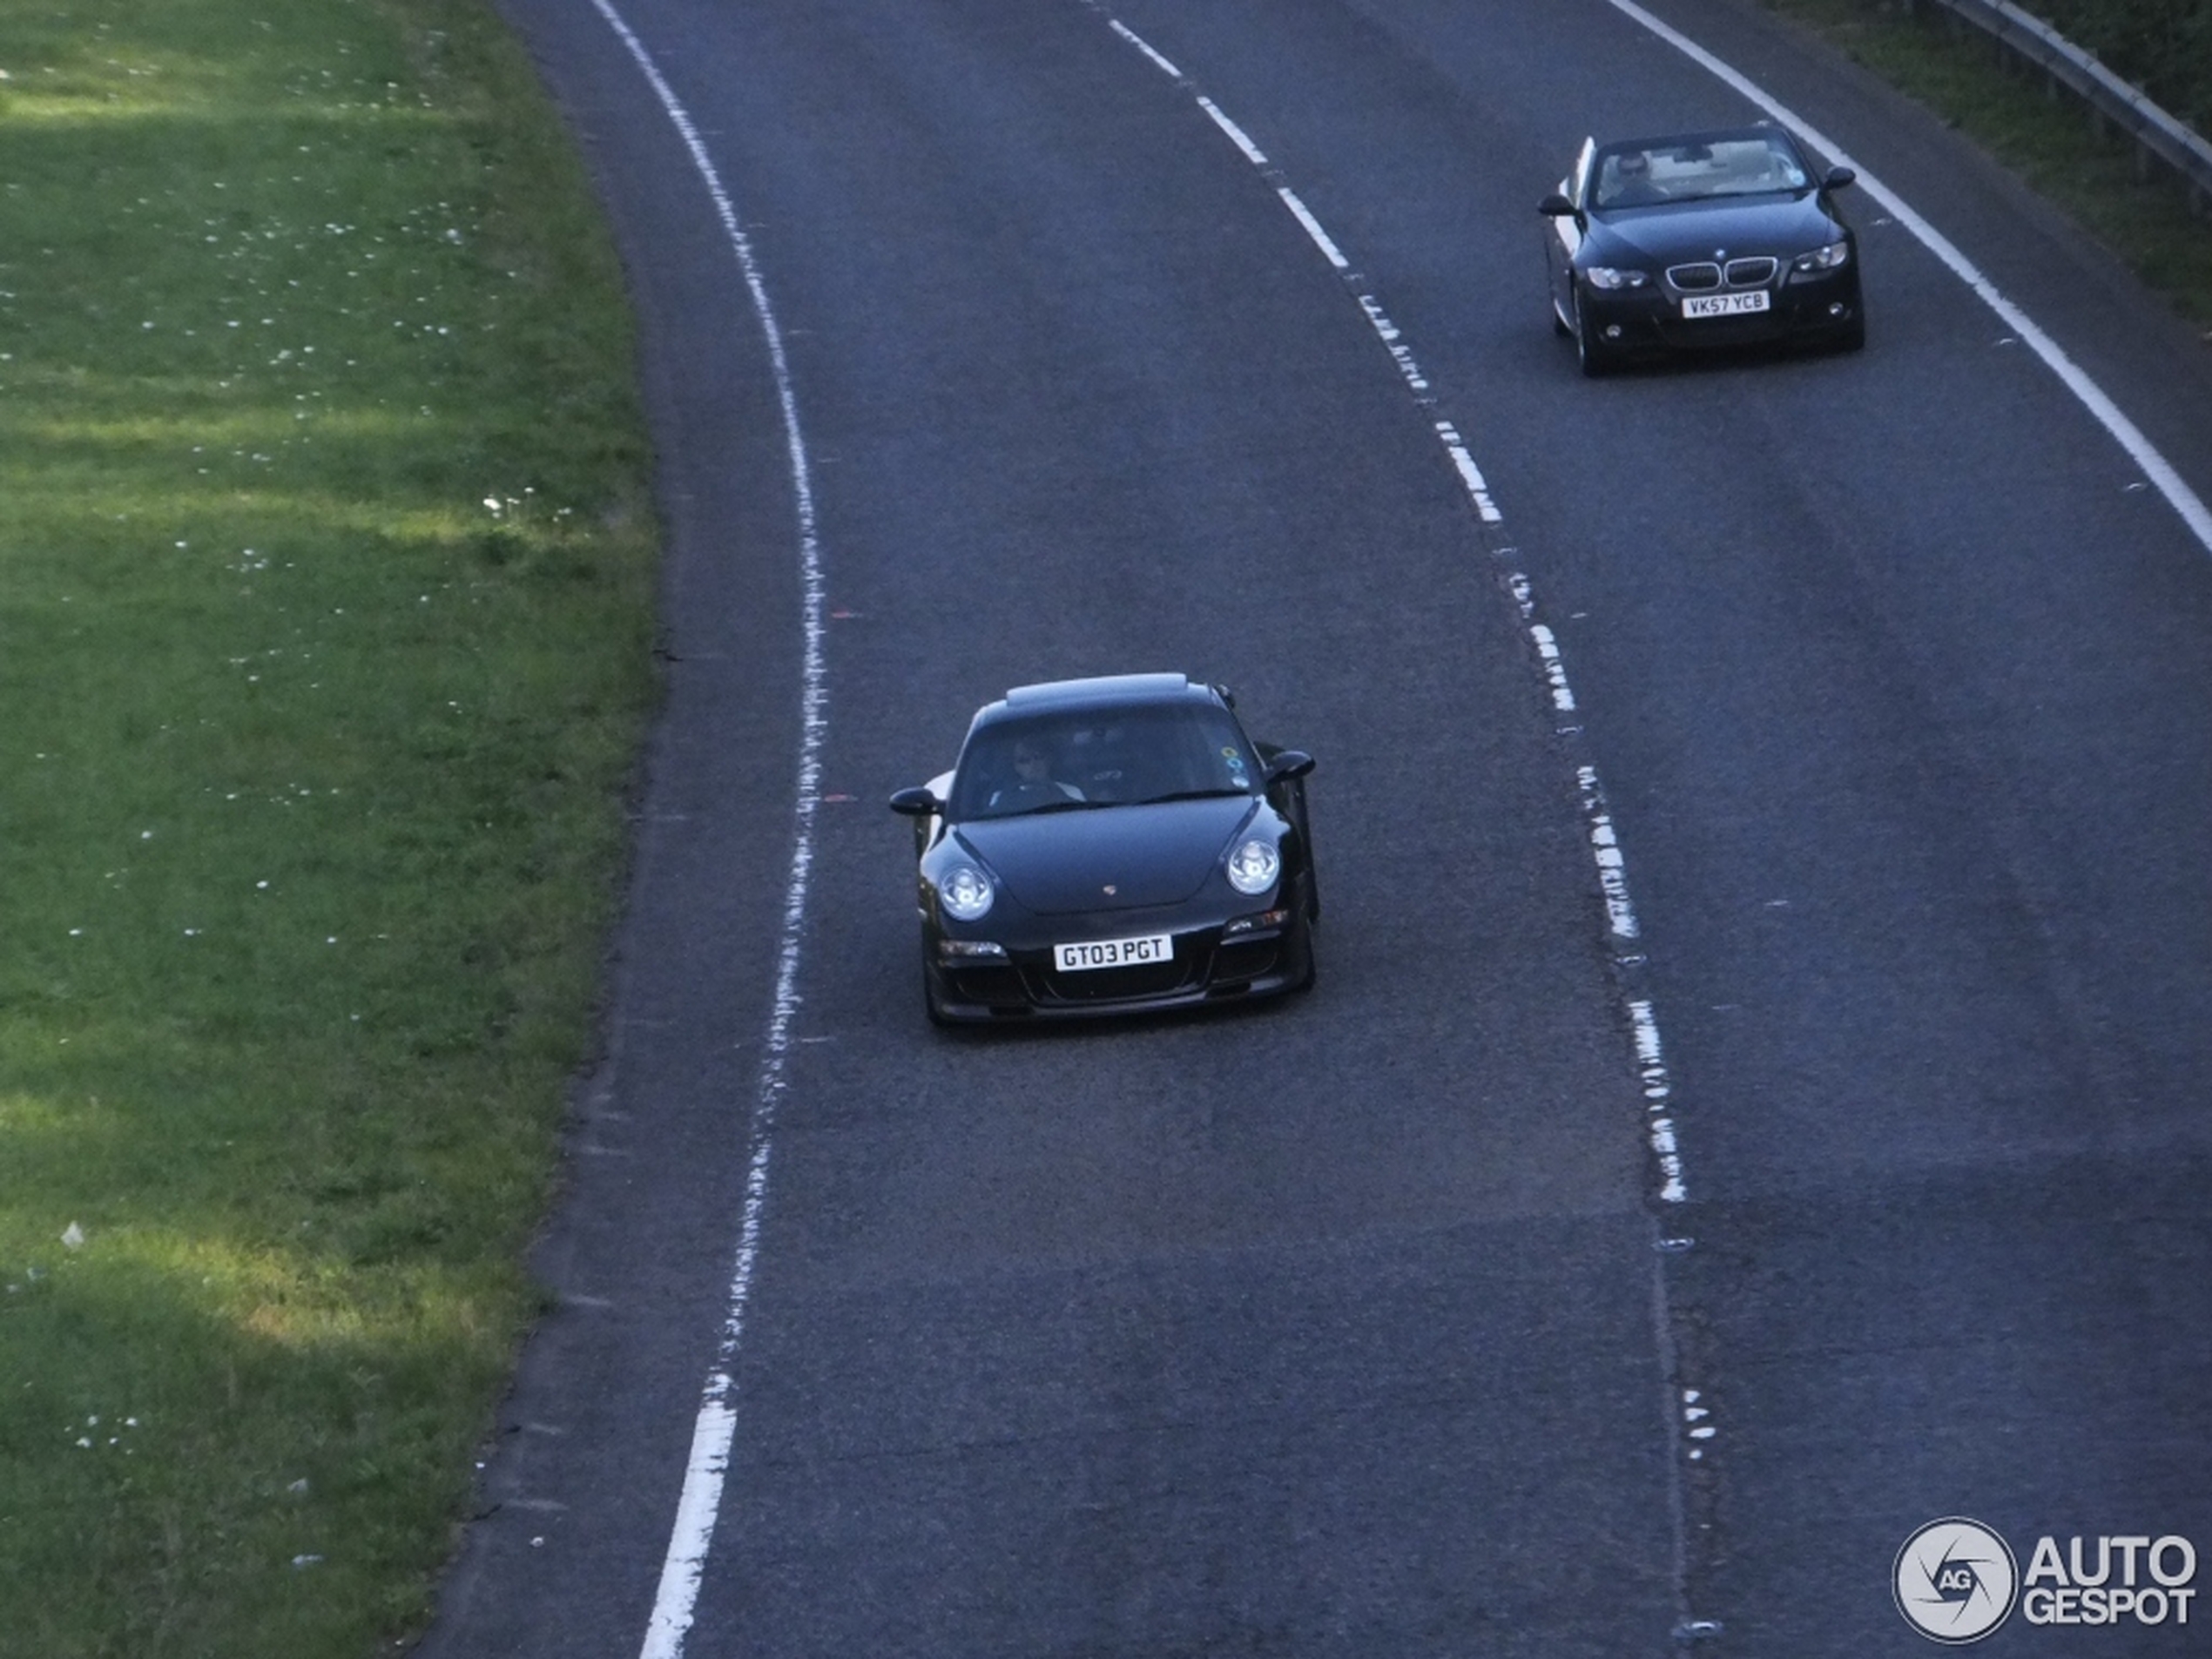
(1658, 1096)
(1604, 844)
(1237, 135)
(1471, 476)
(1137, 41)
(715, 1429)
(1672, 1186)
(1299, 210)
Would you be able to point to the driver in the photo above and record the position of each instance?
(1033, 783)
(1632, 184)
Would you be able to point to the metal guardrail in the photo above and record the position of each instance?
(2155, 133)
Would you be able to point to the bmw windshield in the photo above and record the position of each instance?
(1641, 175)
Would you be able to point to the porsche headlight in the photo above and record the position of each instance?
(1831, 257)
(1612, 278)
(965, 892)
(1254, 866)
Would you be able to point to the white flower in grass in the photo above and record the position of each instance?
(74, 1238)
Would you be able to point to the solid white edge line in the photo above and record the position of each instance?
(691, 1534)
(2139, 449)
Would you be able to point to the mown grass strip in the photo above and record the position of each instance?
(2095, 177)
(326, 584)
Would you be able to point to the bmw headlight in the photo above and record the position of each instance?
(1612, 278)
(1831, 257)
(965, 892)
(1254, 866)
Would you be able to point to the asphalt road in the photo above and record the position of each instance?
(1369, 1324)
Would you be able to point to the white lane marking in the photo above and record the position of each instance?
(1605, 850)
(1236, 134)
(1471, 476)
(2139, 449)
(1658, 1094)
(1334, 254)
(1661, 1135)
(1134, 39)
(1612, 867)
(715, 1432)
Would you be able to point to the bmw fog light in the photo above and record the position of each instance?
(965, 892)
(1254, 866)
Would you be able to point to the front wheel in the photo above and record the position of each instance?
(930, 1006)
(1596, 358)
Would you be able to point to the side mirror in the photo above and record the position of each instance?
(916, 803)
(1555, 207)
(1290, 763)
(1837, 178)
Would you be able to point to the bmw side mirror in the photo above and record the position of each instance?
(1555, 207)
(915, 803)
(1837, 178)
(1290, 763)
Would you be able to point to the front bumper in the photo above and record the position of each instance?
(1207, 967)
(1821, 305)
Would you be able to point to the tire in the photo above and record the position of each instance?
(930, 1007)
(1596, 360)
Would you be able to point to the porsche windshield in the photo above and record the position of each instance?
(1654, 174)
(1077, 758)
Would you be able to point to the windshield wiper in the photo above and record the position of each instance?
(1055, 807)
(1194, 794)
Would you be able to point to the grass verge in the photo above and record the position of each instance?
(2094, 177)
(326, 587)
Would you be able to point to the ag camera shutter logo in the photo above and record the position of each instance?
(1955, 1581)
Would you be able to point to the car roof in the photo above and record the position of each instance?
(1107, 691)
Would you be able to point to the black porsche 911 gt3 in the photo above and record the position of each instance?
(1104, 846)
(1700, 239)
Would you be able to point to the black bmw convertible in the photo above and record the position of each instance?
(1701, 239)
(1104, 846)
